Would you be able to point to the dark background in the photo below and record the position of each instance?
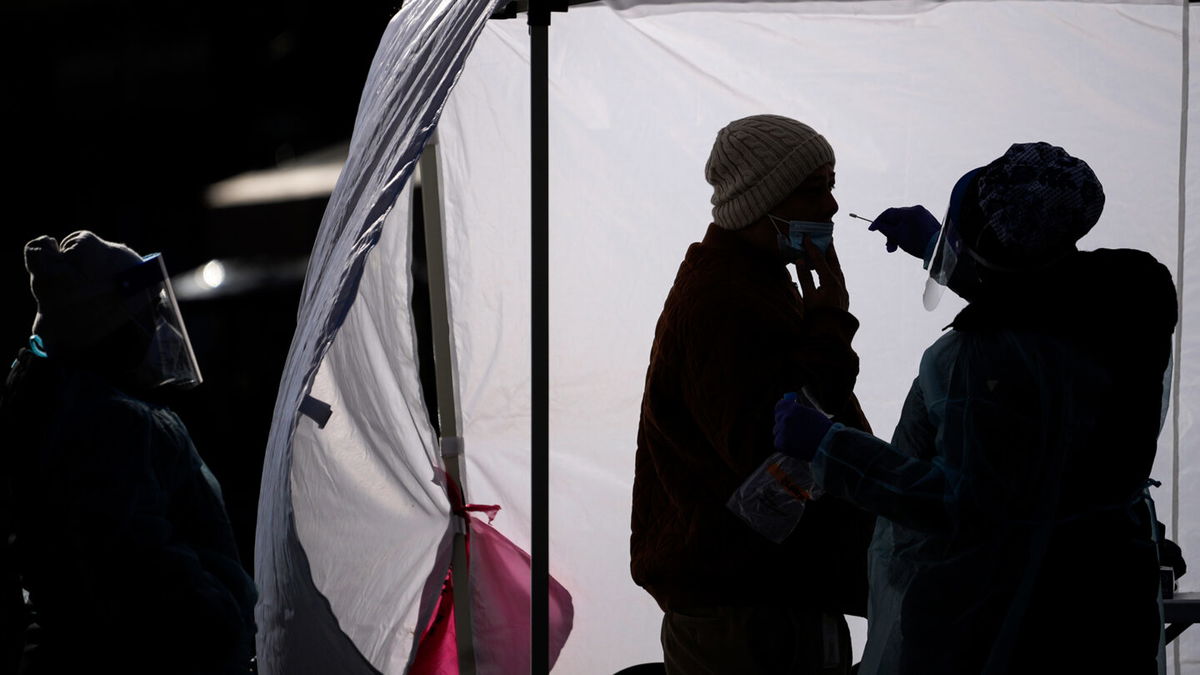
(118, 115)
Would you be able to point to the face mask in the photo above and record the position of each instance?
(791, 244)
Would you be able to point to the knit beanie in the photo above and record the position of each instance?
(756, 162)
(1039, 200)
(76, 288)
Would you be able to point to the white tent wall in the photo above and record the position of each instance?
(352, 541)
(910, 94)
(352, 531)
(378, 539)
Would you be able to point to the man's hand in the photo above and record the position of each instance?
(831, 293)
(908, 227)
(798, 428)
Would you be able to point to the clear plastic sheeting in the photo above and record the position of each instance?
(352, 542)
(910, 99)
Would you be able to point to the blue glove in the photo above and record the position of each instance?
(911, 228)
(798, 428)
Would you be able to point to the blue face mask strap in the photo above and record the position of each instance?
(37, 346)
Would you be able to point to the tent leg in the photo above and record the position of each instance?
(447, 401)
(539, 27)
(1181, 258)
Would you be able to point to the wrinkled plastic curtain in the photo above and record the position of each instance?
(353, 532)
(910, 94)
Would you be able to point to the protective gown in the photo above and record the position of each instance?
(1014, 532)
(122, 539)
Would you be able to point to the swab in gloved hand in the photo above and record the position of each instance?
(911, 228)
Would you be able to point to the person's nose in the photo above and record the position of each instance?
(833, 206)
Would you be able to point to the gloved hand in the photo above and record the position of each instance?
(798, 428)
(907, 227)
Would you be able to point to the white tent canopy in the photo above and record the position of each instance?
(353, 530)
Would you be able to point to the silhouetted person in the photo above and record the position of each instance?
(1016, 533)
(734, 335)
(121, 537)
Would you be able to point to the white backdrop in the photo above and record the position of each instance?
(352, 530)
(352, 542)
(911, 95)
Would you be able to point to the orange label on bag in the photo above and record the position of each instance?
(787, 482)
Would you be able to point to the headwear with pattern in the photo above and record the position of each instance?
(758, 161)
(1039, 200)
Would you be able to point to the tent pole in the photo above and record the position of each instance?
(539, 27)
(1181, 257)
(447, 398)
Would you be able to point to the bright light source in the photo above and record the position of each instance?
(276, 185)
(213, 274)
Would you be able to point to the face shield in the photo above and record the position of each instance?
(949, 250)
(169, 359)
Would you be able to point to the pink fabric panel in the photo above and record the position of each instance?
(437, 651)
(500, 607)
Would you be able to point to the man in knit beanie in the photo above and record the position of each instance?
(735, 334)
